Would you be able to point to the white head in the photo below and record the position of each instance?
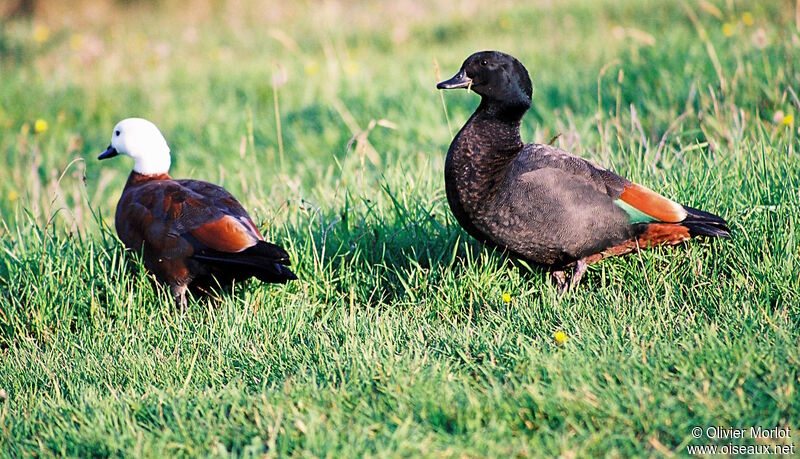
(141, 140)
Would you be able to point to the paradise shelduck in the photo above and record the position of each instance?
(188, 231)
(543, 204)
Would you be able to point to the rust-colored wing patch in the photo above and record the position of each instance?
(662, 233)
(247, 221)
(653, 204)
(655, 234)
(228, 234)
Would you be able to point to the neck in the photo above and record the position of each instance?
(493, 134)
(136, 178)
(152, 165)
(478, 160)
(508, 111)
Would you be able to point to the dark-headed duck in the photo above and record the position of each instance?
(541, 203)
(187, 231)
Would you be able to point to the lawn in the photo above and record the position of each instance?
(403, 336)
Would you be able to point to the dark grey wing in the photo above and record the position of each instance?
(557, 208)
(579, 218)
(535, 156)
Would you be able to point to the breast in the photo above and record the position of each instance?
(145, 229)
(456, 175)
(131, 236)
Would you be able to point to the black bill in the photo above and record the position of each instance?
(109, 153)
(460, 80)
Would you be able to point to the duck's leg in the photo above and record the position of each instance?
(577, 273)
(179, 294)
(560, 277)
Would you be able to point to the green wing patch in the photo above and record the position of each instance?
(636, 215)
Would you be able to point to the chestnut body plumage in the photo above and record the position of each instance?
(187, 231)
(540, 203)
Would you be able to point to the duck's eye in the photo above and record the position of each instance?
(116, 133)
(484, 62)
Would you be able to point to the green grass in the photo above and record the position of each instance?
(396, 340)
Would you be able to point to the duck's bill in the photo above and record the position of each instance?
(109, 153)
(460, 80)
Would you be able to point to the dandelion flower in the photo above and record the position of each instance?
(350, 68)
(40, 126)
(560, 337)
(788, 120)
(506, 298)
(727, 29)
(215, 54)
(311, 68)
(76, 41)
(747, 18)
(41, 33)
(13, 195)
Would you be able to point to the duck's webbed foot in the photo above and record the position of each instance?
(560, 279)
(565, 284)
(580, 269)
(179, 295)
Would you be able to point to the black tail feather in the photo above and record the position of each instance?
(269, 250)
(701, 223)
(265, 261)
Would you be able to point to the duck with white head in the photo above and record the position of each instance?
(189, 232)
(141, 140)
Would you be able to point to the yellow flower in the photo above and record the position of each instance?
(747, 18)
(76, 41)
(350, 68)
(727, 29)
(216, 54)
(560, 337)
(39, 126)
(311, 68)
(788, 120)
(13, 196)
(506, 298)
(41, 33)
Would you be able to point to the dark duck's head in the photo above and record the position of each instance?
(499, 78)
